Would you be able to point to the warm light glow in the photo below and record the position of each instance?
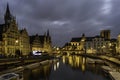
(16, 41)
(83, 67)
(110, 44)
(63, 59)
(58, 64)
(57, 48)
(82, 40)
(103, 47)
(55, 67)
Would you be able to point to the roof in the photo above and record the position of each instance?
(113, 40)
(89, 38)
(76, 39)
(79, 39)
(98, 36)
(41, 38)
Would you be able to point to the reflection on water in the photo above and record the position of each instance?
(68, 68)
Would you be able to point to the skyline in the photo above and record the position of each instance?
(65, 19)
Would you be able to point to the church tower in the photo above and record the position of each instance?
(8, 17)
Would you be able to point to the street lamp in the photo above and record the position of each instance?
(16, 41)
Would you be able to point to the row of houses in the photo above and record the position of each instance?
(100, 44)
(17, 42)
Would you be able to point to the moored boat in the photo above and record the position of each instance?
(11, 76)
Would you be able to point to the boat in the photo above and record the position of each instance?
(11, 76)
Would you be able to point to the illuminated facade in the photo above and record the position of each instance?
(96, 45)
(41, 43)
(12, 40)
(25, 44)
(76, 45)
(118, 44)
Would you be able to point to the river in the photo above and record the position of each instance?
(66, 68)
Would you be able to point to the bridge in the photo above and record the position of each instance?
(69, 52)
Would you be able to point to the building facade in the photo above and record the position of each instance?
(95, 45)
(118, 44)
(105, 34)
(24, 42)
(76, 45)
(13, 42)
(41, 43)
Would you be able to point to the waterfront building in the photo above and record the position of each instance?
(89, 45)
(25, 44)
(113, 46)
(76, 45)
(15, 42)
(9, 35)
(41, 43)
(118, 44)
(94, 45)
(12, 40)
(98, 44)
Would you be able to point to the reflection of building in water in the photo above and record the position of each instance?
(56, 65)
(63, 59)
(76, 62)
(83, 64)
(43, 72)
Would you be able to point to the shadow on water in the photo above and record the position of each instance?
(67, 68)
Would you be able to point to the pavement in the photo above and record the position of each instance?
(112, 59)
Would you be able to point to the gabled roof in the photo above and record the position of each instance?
(41, 38)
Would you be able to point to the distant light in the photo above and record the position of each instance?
(37, 52)
(57, 48)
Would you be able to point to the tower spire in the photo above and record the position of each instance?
(7, 9)
(7, 16)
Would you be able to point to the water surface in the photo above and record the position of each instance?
(67, 68)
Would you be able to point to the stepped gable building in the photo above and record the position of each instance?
(25, 44)
(41, 42)
(12, 41)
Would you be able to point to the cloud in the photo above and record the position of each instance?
(65, 18)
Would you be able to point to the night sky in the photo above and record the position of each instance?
(65, 18)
